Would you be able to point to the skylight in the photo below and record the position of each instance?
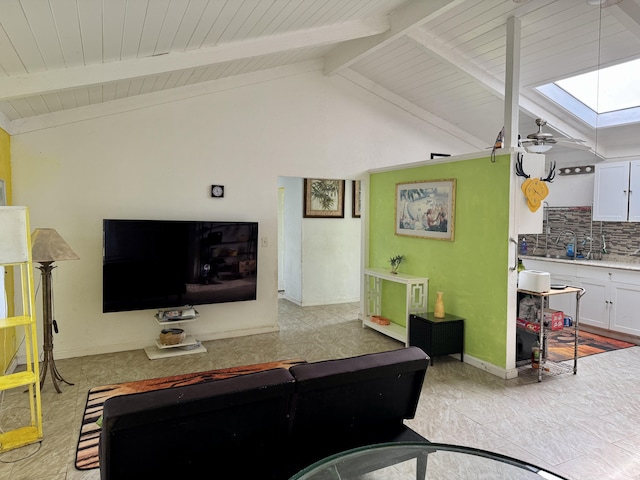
(618, 89)
(602, 98)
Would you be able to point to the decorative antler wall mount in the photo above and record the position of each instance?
(535, 189)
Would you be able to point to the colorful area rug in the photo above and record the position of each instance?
(561, 345)
(88, 441)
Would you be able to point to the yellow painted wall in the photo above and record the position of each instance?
(7, 336)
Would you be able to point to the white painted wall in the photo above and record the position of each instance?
(158, 162)
(570, 190)
(331, 257)
(280, 237)
(292, 251)
(321, 256)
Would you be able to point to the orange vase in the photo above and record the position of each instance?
(438, 311)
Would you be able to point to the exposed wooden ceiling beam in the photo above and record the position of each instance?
(628, 14)
(403, 20)
(137, 102)
(5, 123)
(56, 80)
(492, 84)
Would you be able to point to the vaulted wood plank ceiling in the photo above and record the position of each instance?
(442, 60)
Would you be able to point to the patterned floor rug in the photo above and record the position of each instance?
(88, 440)
(561, 345)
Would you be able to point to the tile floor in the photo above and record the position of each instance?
(585, 426)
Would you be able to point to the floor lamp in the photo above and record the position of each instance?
(47, 246)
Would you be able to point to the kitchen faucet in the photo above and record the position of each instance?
(584, 245)
(593, 253)
(574, 241)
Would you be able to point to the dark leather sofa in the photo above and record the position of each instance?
(268, 424)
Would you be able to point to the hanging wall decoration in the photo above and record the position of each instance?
(535, 189)
(426, 209)
(323, 198)
(356, 189)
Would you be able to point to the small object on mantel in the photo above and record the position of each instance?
(380, 320)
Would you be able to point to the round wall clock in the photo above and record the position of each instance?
(217, 191)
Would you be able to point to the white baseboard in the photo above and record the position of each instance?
(492, 369)
(139, 345)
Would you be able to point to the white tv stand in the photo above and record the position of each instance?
(188, 346)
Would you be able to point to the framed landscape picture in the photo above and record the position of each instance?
(323, 198)
(426, 209)
(357, 198)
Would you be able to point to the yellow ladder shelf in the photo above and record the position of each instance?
(15, 252)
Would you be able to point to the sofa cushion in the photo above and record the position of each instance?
(195, 429)
(346, 403)
(350, 393)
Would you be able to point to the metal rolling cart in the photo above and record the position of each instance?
(544, 296)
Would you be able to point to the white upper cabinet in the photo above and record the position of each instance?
(616, 193)
(634, 191)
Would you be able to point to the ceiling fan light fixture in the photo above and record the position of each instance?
(538, 148)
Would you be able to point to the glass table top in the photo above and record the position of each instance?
(420, 461)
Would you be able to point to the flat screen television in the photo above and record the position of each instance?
(158, 264)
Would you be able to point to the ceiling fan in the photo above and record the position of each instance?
(540, 142)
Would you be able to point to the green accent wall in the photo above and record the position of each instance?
(7, 335)
(471, 271)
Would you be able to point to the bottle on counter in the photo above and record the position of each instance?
(523, 247)
(535, 355)
(570, 251)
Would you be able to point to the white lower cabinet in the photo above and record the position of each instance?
(565, 303)
(624, 301)
(594, 305)
(611, 299)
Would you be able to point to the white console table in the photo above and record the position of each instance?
(415, 301)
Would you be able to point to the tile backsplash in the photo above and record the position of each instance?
(621, 239)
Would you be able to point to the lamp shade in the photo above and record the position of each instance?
(48, 246)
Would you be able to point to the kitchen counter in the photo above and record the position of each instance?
(620, 262)
(612, 290)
